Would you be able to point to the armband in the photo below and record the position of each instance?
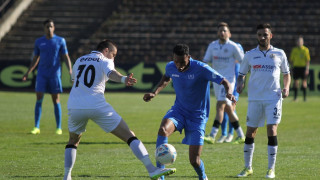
(123, 79)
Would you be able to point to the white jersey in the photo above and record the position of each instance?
(90, 73)
(265, 67)
(223, 58)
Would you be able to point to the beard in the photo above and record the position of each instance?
(263, 43)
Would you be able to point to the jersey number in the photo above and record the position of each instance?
(93, 74)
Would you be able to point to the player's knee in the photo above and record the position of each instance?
(249, 140)
(272, 141)
(131, 139)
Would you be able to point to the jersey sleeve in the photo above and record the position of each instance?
(107, 67)
(63, 48)
(238, 53)
(36, 50)
(285, 69)
(212, 75)
(244, 66)
(208, 55)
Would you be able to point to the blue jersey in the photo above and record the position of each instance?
(192, 87)
(50, 51)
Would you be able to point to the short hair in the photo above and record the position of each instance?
(106, 43)
(223, 24)
(181, 49)
(47, 21)
(264, 26)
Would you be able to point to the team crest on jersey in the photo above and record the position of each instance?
(191, 76)
(175, 75)
(272, 56)
(225, 50)
(214, 75)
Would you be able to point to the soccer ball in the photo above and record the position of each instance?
(166, 154)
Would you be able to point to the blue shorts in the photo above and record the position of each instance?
(50, 85)
(194, 128)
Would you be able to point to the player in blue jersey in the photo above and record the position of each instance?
(191, 81)
(47, 52)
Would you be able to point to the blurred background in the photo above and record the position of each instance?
(146, 31)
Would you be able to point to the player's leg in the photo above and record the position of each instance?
(224, 128)
(218, 119)
(248, 150)
(57, 112)
(122, 131)
(167, 127)
(196, 162)
(235, 124)
(37, 113)
(304, 88)
(55, 88)
(70, 154)
(77, 122)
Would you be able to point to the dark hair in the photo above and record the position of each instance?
(263, 26)
(106, 43)
(223, 24)
(181, 49)
(47, 21)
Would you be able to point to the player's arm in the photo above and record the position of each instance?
(118, 77)
(307, 68)
(68, 62)
(227, 87)
(161, 85)
(240, 83)
(286, 85)
(33, 65)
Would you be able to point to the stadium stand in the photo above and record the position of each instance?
(147, 30)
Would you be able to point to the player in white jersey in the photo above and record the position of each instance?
(223, 55)
(265, 63)
(86, 101)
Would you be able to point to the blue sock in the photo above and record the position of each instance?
(200, 171)
(37, 113)
(161, 140)
(224, 124)
(230, 125)
(57, 113)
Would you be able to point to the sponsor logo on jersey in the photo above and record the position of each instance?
(220, 58)
(175, 75)
(42, 44)
(89, 59)
(263, 68)
(257, 57)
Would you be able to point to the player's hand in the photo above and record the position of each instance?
(130, 80)
(147, 97)
(25, 77)
(231, 98)
(285, 93)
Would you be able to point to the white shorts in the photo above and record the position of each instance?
(220, 92)
(106, 117)
(259, 111)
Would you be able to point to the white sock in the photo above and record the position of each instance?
(248, 150)
(70, 155)
(272, 156)
(140, 151)
(240, 132)
(214, 132)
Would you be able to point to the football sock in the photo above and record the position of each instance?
(304, 90)
(272, 151)
(37, 112)
(230, 125)
(295, 90)
(248, 150)
(200, 171)
(238, 128)
(224, 124)
(57, 113)
(140, 151)
(70, 155)
(161, 140)
(215, 128)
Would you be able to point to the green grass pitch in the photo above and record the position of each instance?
(103, 156)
